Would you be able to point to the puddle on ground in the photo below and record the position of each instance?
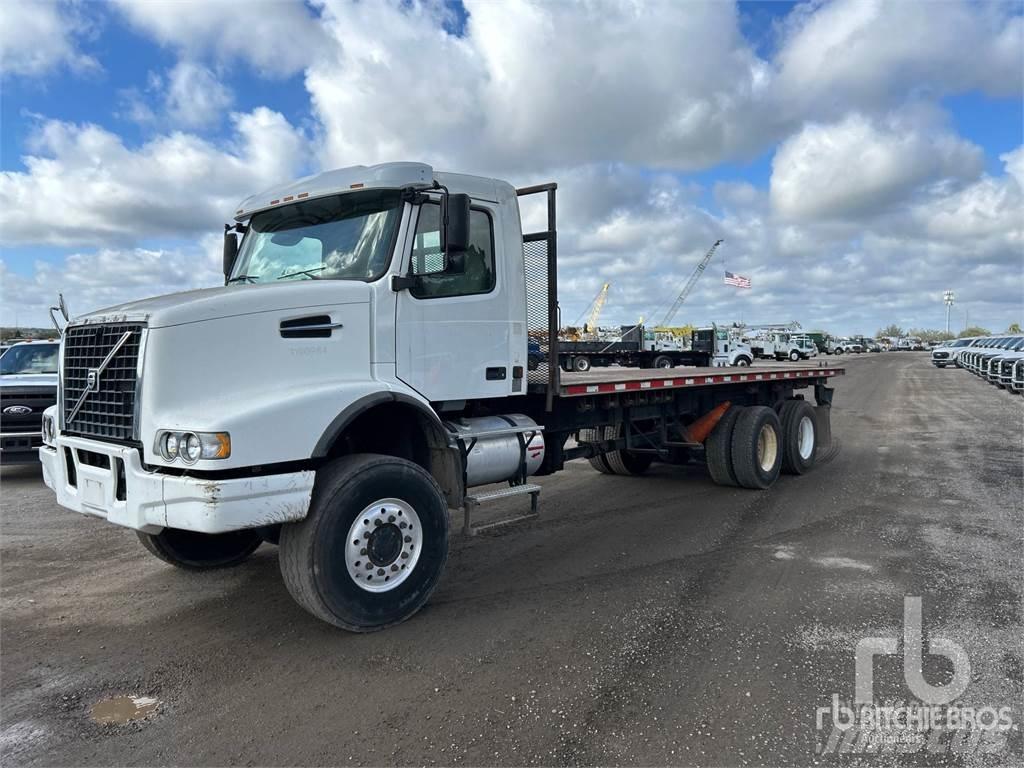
(118, 710)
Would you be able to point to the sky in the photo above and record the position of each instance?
(857, 159)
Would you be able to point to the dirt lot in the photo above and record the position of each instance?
(646, 622)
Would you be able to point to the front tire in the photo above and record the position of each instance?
(193, 551)
(794, 355)
(742, 362)
(757, 447)
(373, 546)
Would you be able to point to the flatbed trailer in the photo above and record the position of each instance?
(581, 356)
(342, 413)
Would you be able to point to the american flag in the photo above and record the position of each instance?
(738, 280)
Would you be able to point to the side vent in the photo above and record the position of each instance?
(312, 327)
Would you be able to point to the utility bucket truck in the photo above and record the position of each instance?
(363, 372)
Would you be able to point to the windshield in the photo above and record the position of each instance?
(29, 358)
(342, 237)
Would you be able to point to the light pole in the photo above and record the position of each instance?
(948, 297)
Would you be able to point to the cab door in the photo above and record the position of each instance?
(454, 330)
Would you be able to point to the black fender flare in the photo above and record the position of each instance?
(363, 404)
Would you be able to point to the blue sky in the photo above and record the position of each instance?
(825, 148)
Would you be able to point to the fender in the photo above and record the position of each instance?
(353, 410)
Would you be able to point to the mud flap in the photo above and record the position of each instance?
(823, 422)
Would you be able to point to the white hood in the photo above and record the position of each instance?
(231, 301)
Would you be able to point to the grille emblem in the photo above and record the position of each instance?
(92, 380)
(17, 410)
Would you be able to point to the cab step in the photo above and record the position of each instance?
(474, 500)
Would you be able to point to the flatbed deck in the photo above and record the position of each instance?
(599, 381)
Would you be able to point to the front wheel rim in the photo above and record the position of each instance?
(767, 448)
(805, 432)
(384, 545)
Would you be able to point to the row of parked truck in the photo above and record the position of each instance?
(997, 359)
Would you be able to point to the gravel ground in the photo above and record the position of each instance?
(654, 621)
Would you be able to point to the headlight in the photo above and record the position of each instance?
(190, 447)
(49, 432)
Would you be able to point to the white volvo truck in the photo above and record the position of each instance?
(362, 371)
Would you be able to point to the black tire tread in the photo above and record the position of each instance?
(154, 544)
(296, 544)
(790, 414)
(744, 433)
(718, 449)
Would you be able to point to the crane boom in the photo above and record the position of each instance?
(689, 284)
(595, 313)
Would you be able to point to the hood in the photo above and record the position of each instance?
(29, 380)
(231, 301)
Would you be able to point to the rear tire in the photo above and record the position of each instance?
(799, 436)
(718, 449)
(663, 361)
(597, 462)
(193, 551)
(625, 462)
(320, 558)
(581, 364)
(757, 447)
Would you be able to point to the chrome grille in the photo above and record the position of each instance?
(108, 410)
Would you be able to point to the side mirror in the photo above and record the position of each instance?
(230, 251)
(455, 223)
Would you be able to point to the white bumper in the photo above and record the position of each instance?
(149, 501)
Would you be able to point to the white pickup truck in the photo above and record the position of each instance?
(363, 368)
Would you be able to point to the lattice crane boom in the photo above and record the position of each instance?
(595, 313)
(690, 283)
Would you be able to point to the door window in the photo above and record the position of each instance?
(467, 273)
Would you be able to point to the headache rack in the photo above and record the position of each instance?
(540, 260)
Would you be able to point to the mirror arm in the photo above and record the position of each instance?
(403, 282)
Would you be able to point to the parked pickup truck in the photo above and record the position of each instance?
(28, 386)
(949, 352)
(363, 371)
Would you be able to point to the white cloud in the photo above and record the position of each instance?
(38, 36)
(656, 84)
(858, 167)
(107, 277)
(83, 186)
(874, 53)
(278, 37)
(195, 97)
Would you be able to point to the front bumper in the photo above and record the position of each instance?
(20, 447)
(109, 481)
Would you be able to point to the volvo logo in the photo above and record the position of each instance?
(92, 380)
(17, 410)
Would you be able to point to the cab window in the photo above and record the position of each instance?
(467, 273)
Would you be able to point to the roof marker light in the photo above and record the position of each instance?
(302, 195)
(358, 185)
(288, 199)
(274, 202)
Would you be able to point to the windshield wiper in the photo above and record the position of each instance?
(307, 272)
(250, 278)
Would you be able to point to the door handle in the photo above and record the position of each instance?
(313, 327)
(497, 374)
